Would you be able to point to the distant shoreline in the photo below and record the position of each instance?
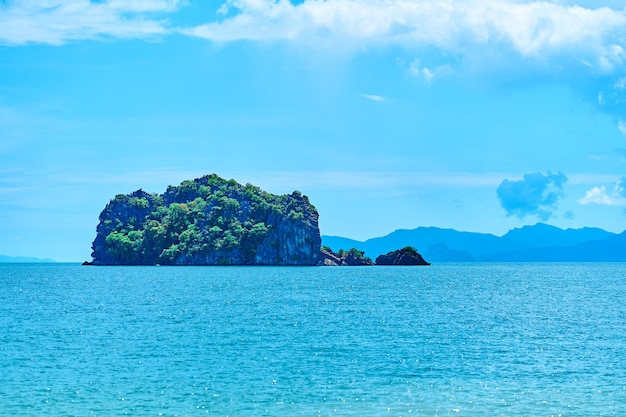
(24, 260)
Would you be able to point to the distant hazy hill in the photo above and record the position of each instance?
(540, 242)
(22, 259)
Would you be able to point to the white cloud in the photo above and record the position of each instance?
(621, 125)
(536, 30)
(533, 29)
(599, 195)
(57, 22)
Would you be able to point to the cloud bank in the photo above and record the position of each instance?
(535, 194)
(535, 29)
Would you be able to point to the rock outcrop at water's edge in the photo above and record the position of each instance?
(405, 256)
(355, 257)
(351, 257)
(208, 221)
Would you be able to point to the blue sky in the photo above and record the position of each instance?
(478, 115)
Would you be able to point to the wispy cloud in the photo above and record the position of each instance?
(57, 22)
(599, 195)
(368, 180)
(286, 181)
(427, 74)
(535, 29)
(421, 72)
(373, 97)
(620, 84)
(154, 180)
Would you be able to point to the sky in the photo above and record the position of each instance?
(477, 115)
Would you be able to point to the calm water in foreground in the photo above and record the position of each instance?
(445, 340)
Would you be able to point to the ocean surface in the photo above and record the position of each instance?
(445, 340)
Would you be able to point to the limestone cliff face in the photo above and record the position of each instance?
(208, 221)
(125, 211)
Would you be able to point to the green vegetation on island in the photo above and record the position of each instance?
(208, 221)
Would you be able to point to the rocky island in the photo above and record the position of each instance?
(213, 221)
(354, 257)
(404, 256)
(350, 257)
(208, 221)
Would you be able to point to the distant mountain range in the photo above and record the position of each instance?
(538, 243)
(22, 259)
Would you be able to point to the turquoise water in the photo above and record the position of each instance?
(445, 340)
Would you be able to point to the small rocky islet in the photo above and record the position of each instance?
(354, 257)
(214, 221)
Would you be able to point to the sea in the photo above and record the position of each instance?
(470, 339)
